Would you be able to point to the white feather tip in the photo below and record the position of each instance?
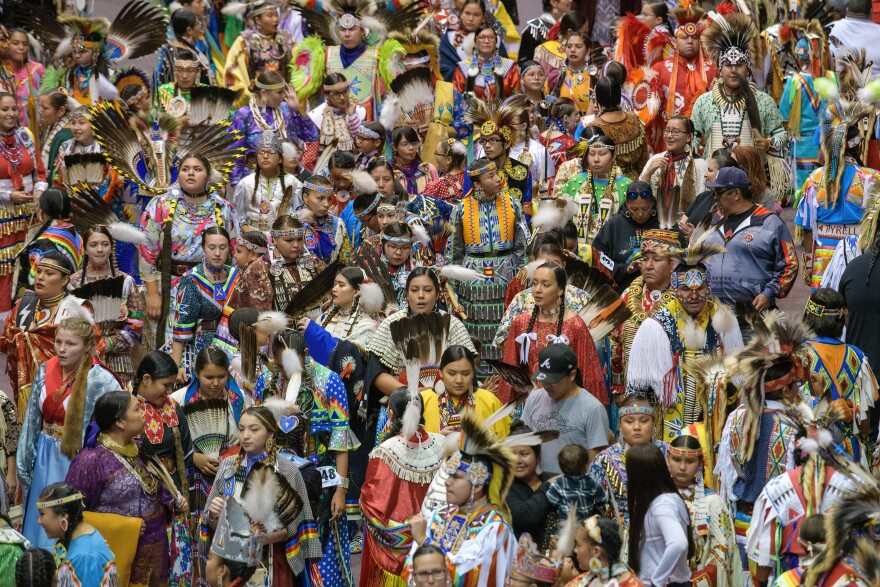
(125, 232)
(390, 113)
(235, 9)
(460, 273)
(363, 183)
(825, 438)
(421, 233)
(723, 319)
(808, 445)
(273, 322)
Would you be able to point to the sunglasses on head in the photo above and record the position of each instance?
(637, 195)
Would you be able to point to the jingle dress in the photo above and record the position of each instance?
(115, 480)
(198, 307)
(844, 371)
(88, 561)
(490, 238)
(21, 169)
(398, 476)
(39, 459)
(118, 307)
(522, 348)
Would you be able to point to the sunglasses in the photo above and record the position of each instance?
(637, 195)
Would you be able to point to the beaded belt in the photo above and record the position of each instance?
(836, 231)
(53, 430)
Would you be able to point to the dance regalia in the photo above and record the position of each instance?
(355, 325)
(534, 35)
(608, 470)
(716, 556)
(596, 201)
(523, 302)
(452, 47)
(108, 188)
(115, 480)
(415, 177)
(119, 314)
(441, 408)
(844, 372)
(785, 502)
(29, 339)
(832, 221)
(39, 460)
(288, 278)
(259, 210)
(170, 91)
(336, 129)
(576, 86)
(252, 121)
(84, 84)
(198, 306)
(617, 570)
(479, 545)
(686, 171)
(558, 148)
(370, 72)
(642, 303)
(518, 182)
(87, 561)
(631, 150)
(327, 239)
(60, 236)
(50, 144)
(27, 82)
(251, 54)
(447, 188)
(481, 77)
(21, 169)
(522, 348)
(801, 105)
(166, 62)
(254, 289)
(690, 83)
(289, 558)
(398, 475)
(490, 237)
(665, 352)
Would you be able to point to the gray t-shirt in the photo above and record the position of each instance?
(581, 420)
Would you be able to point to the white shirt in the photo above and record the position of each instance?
(664, 547)
(856, 34)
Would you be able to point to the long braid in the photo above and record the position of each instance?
(256, 186)
(533, 319)
(355, 308)
(560, 320)
(85, 267)
(330, 315)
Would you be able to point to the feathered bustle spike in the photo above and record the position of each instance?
(88, 168)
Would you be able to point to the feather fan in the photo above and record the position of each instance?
(208, 421)
(421, 337)
(414, 91)
(604, 311)
(517, 376)
(88, 209)
(106, 297)
(215, 142)
(583, 276)
(314, 292)
(277, 503)
(84, 168)
(531, 438)
(210, 104)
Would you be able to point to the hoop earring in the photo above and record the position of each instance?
(64, 524)
(653, 212)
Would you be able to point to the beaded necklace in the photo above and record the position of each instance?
(12, 153)
(128, 457)
(277, 125)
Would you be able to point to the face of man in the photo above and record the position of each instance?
(734, 76)
(687, 45)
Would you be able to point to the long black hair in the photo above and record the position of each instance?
(648, 478)
(72, 509)
(91, 231)
(157, 364)
(562, 282)
(35, 568)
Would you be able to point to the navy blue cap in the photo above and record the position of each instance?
(730, 177)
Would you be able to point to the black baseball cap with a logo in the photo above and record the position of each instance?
(555, 361)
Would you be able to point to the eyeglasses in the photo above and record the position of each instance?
(637, 195)
(266, 152)
(440, 155)
(399, 248)
(336, 93)
(674, 132)
(489, 141)
(436, 574)
(717, 193)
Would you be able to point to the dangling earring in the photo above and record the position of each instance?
(596, 567)
(64, 524)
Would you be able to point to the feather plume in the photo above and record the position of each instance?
(413, 90)
(413, 413)
(468, 44)
(551, 217)
(372, 300)
(517, 376)
(370, 262)
(363, 183)
(293, 369)
(605, 310)
(532, 266)
(235, 9)
(235, 364)
(138, 30)
(281, 407)
(696, 253)
(729, 30)
(314, 292)
(74, 310)
(583, 276)
(127, 233)
(210, 104)
(273, 322)
(723, 319)
(420, 233)
(565, 544)
(531, 438)
(461, 273)
(506, 410)
(391, 112)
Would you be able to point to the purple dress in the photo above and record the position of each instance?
(109, 487)
(296, 127)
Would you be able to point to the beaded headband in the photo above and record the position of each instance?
(404, 240)
(531, 66)
(79, 42)
(186, 64)
(365, 132)
(60, 501)
(142, 93)
(817, 309)
(692, 278)
(307, 185)
(591, 525)
(259, 7)
(477, 473)
(487, 169)
(735, 56)
(675, 451)
(53, 265)
(635, 410)
(294, 232)
(348, 21)
(278, 86)
(386, 208)
(690, 29)
(595, 138)
(81, 112)
(369, 209)
(260, 250)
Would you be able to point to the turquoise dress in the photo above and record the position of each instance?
(804, 150)
(88, 561)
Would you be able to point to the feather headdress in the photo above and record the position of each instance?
(778, 342)
(730, 38)
(490, 119)
(415, 43)
(325, 17)
(412, 102)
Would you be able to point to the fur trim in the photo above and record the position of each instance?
(363, 183)
(420, 233)
(390, 113)
(460, 273)
(125, 232)
(72, 435)
(304, 214)
(372, 299)
(273, 322)
(723, 319)
(694, 336)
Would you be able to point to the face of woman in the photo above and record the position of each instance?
(216, 571)
(545, 289)
(252, 435)
(676, 136)
(48, 115)
(186, 77)
(640, 209)
(272, 98)
(458, 489)
(18, 47)
(343, 293)
(648, 17)
(351, 38)
(422, 295)
(82, 130)
(51, 523)
(269, 161)
(472, 17)
(49, 282)
(526, 462)
(576, 51)
(397, 253)
(534, 80)
(98, 248)
(133, 421)
(267, 23)
(458, 377)
(406, 150)
(193, 176)
(216, 249)
(156, 391)
(600, 158)
(584, 549)
(318, 202)
(711, 170)
(289, 247)
(683, 469)
(212, 381)
(486, 42)
(243, 257)
(637, 428)
(69, 348)
(8, 113)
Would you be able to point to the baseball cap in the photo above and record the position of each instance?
(730, 177)
(555, 361)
